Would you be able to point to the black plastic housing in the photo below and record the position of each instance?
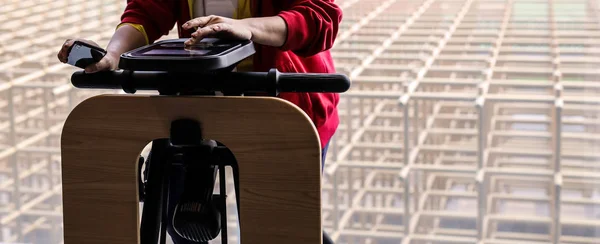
(217, 59)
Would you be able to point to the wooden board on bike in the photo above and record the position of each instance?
(275, 143)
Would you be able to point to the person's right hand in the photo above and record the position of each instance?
(108, 62)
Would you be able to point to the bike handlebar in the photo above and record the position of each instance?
(272, 82)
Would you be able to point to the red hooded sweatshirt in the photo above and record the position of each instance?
(312, 28)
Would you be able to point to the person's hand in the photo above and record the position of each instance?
(108, 62)
(217, 26)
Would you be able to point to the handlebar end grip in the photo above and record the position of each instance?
(99, 80)
(313, 82)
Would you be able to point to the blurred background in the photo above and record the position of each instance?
(469, 121)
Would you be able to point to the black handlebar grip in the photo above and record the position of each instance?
(312, 82)
(272, 81)
(98, 80)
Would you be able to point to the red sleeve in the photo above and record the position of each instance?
(157, 16)
(312, 26)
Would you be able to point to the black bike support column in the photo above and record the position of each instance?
(223, 198)
(153, 224)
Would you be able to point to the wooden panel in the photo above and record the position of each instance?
(275, 143)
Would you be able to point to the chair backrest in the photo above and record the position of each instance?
(275, 143)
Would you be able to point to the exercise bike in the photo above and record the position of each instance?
(205, 69)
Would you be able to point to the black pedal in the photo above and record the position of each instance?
(197, 216)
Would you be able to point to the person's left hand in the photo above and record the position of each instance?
(217, 26)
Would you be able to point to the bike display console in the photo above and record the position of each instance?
(209, 54)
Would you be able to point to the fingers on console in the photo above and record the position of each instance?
(197, 22)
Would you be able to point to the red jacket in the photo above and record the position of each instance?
(312, 29)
